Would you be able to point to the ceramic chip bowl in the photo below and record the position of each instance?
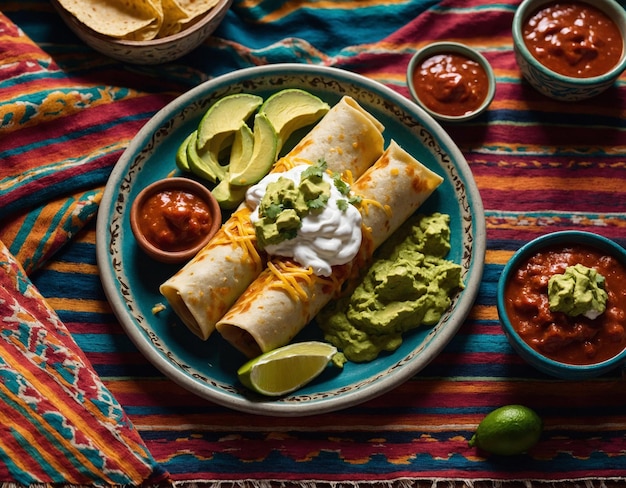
(155, 51)
(535, 358)
(551, 83)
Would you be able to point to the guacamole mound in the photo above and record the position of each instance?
(284, 205)
(578, 291)
(408, 285)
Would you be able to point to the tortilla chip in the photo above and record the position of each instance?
(118, 18)
(195, 8)
(173, 18)
(137, 20)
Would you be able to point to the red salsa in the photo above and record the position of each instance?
(574, 39)
(571, 340)
(451, 84)
(174, 220)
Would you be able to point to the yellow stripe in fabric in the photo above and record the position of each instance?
(498, 257)
(66, 267)
(74, 419)
(79, 304)
(598, 184)
(482, 312)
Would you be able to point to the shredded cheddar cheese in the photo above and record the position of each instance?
(366, 202)
(290, 283)
(290, 276)
(239, 233)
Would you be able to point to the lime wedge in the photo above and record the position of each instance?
(287, 368)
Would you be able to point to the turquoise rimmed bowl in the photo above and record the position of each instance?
(530, 355)
(555, 85)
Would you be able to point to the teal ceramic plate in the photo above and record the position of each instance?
(208, 369)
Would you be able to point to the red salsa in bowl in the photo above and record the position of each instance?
(451, 81)
(173, 218)
(573, 39)
(568, 344)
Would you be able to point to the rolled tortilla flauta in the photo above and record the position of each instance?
(286, 296)
(347, 138)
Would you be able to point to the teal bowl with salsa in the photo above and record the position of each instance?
(451, 81)
(570, 50)
(569, 347)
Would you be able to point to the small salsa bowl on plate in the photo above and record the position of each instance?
(173, 218)
(451, 81)
(553, 59)
(564, 346)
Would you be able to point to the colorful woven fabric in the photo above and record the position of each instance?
(58, 422)
(540, 166)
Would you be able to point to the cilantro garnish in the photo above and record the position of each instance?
(314, 170)
(317, 203)
(341, 185)
(342, 205)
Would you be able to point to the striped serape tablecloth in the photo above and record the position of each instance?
(67, 113)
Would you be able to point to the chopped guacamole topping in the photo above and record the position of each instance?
(408, 285)
(286, 203)
(578, 291)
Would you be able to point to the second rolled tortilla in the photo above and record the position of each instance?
(285, 296)
(348, 138)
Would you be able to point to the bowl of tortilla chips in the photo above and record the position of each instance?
(143, 31)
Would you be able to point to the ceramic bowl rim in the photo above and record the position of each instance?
(459, 48)
(179, 183)
(528, 6)
(584, 237)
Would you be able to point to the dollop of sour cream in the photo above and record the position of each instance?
(328, 237)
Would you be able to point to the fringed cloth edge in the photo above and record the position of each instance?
(409, 483)
(396, 483)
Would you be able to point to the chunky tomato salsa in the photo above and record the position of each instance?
(174, 220)
(567, 339)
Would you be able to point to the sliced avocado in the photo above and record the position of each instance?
(202, 163)
(181, 154)
(248, 172)
(291, 109)
(225, 117)
(242, 148)
(229, 196)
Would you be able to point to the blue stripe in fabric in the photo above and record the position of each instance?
(102, 343)
(24, 231)
(86, 180)
(54, 223)
(77, 286)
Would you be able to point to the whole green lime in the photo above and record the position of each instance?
(508, 430)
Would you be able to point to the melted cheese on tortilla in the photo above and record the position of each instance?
(290, 275)
(238, 232)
